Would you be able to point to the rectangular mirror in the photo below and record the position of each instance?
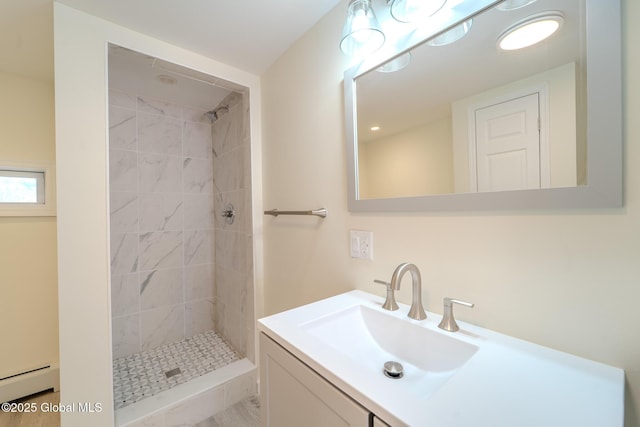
(466, 125)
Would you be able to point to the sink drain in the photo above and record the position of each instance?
(393, 369)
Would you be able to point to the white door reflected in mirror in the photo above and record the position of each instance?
(507, 137)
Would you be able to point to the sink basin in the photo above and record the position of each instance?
(362, 332)
(372, 337)
(449, 379)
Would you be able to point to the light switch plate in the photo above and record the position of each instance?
(361, 244)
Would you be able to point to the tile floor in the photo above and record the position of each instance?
(145, 374)
(245, 413)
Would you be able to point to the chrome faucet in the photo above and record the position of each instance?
(448, 322)
(416, 311)
(389, 303)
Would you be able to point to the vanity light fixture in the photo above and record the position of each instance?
(513, 4)
(414, 10)
(375, 128)
(453, 35)
(530, 31)
(396, 64)
(361, 34)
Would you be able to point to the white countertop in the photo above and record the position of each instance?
(507, 382)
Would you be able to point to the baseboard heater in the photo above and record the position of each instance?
(29, 382)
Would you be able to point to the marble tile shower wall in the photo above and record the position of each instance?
(162, 223)
(234, 308)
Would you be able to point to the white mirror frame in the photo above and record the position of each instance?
(604, 187)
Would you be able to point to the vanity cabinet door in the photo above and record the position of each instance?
(292, 395)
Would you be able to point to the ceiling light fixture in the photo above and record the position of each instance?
(414, 10)
(530, 31)
(361, 34)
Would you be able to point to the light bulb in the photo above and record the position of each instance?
(361, 34)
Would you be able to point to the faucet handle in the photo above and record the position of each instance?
(448, 322)
(390, 303)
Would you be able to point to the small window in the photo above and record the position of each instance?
(26, 189)
(21, 187)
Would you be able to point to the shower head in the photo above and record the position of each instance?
(216, 113)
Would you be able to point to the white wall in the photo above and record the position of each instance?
(82, 155)
(415, 162)
(28, 302)
(565, 279)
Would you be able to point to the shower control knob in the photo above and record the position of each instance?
(229, 213)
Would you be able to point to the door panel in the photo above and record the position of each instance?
(508, 145)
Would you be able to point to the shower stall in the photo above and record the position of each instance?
(182, 293)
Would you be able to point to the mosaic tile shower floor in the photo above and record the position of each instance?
(146, 374)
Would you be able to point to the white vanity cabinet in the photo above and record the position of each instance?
(292, 394)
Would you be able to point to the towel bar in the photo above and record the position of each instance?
(322, 212)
